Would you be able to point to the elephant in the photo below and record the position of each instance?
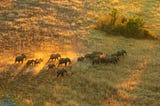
(96, 60)
(61, 72)
(111, 59)
(64, 61)
(123, 51)
(38, 61)
(54, 57)
(20, 58)
(30, 62)
(51, 66)
(119, 53)
(93, 55)
(80, 59)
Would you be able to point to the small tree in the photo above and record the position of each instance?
(113, 14)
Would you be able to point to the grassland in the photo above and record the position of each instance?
(40, 27)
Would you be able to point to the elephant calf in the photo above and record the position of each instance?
(38, 61)
(61, 72)
(51, 66)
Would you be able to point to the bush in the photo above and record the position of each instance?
(120, 25)
(134, 26)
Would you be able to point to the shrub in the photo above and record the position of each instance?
(134, 26)
(116, 24)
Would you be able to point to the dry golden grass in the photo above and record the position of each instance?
(130, 84)
(39, 28)
(132, 90)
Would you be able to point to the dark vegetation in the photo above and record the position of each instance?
(130, 27)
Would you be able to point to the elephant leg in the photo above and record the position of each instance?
(62, 74)
(48, 60)
(58, 75)
(66, 73)
(115, 61)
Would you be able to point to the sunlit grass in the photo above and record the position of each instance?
(36, 28)
(40, 66)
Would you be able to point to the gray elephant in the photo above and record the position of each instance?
(111, 59)
(61, 72)
(80, 59)
(96, 60)
(20, 58)
(120, 53)
(64, 61)
(54, 57)
(93, 55)
(30, 62)
(38, 61)
(51, 66)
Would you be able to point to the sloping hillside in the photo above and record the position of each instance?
(39, 28)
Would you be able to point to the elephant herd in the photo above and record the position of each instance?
(95, 57)
(23, 57)
(51, 65)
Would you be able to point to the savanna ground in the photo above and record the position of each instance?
(41, 27)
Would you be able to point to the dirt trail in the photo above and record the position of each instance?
(125, 99)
